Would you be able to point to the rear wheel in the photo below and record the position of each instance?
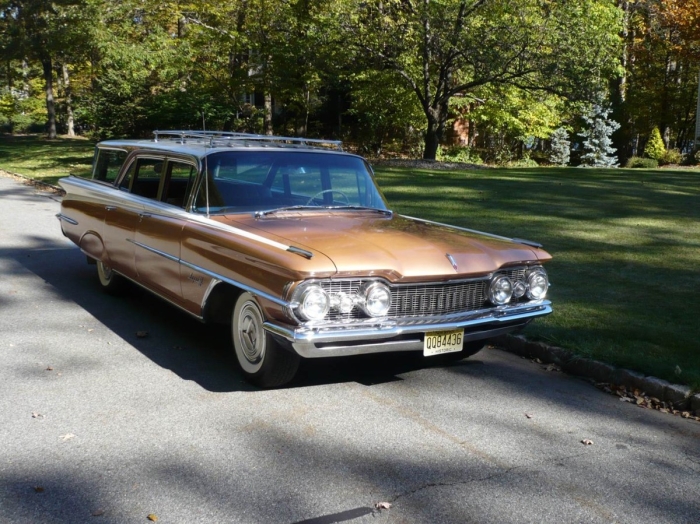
(263, 362)
(111, 282)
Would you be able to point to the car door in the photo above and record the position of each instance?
(123, 212)
(159, 230)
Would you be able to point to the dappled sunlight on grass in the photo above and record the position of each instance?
(626, 245)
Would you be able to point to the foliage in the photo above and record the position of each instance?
(451, 48)
(672, 156)
(459, 154)
(597, 135)
(655, 147)
(636, 162)
(560, 147)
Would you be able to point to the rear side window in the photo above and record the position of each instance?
(107, 164)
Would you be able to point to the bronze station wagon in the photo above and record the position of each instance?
(290, 241)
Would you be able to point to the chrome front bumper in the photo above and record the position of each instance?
(375, 336)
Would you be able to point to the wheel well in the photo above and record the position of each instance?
(220, 303)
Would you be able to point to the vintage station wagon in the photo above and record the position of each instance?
(291, 242)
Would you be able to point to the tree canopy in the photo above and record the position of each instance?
(405, 74)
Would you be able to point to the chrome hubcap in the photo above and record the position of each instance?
(250, 335)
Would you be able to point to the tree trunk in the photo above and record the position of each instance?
(267, 118)
(437, 119)
(50, 102)
(432, 142)
(70, 122)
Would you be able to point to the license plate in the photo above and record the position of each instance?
(439, 342)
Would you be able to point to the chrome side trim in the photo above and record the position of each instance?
(215, 276)
(236, 283)
(167, 210)
(61, 216)
(302, 338)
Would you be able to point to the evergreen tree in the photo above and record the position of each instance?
(561, 147)
(597, 143)
(655, 147)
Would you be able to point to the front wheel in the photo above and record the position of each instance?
(263, 362)
(110, 281)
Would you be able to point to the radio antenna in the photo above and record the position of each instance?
(206, 166)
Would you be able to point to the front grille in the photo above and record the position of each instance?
(419, 300)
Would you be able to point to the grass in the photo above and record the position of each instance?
(45, 160)
(626, 244)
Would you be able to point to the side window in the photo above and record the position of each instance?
(143, 177)
(177, 184)
(107, 163)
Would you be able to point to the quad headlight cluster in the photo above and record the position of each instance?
(535, 285)
(314, 303)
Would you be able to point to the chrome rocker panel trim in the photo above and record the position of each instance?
(306, 340)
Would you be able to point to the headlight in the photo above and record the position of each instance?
(313, 303)
(537, 283)
(377, 299)
(501, 290)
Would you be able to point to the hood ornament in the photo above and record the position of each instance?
(452, 261)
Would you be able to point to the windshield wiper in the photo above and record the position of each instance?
(387, 212)
(259, 214)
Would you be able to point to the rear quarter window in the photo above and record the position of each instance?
(107, 163)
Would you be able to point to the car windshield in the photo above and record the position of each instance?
(265, 181)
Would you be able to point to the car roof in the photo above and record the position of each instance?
(203, 143)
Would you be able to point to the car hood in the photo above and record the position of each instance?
(397, 247)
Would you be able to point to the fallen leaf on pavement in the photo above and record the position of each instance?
(49, 368)
(152, 517)
(587, 442)
(528, 415)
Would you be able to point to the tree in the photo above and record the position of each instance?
(598, 143)
(441, 49)
(561, 147)
(655, 147)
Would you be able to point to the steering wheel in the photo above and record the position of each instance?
(347, 200)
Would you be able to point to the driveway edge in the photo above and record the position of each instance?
(33, 181)
(680, 396)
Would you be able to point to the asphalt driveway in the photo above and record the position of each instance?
(99, 423)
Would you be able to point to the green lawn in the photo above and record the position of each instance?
(46, 160)
(626, 244)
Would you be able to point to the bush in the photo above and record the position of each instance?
(655, 147)
(636, 162)
(672, 156)
(463, 155)
(523, 162)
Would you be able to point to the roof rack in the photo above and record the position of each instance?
(223, 138)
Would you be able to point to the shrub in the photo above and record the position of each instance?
(636, 162)
(461, 154)
(672, 156)
(655, 147)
